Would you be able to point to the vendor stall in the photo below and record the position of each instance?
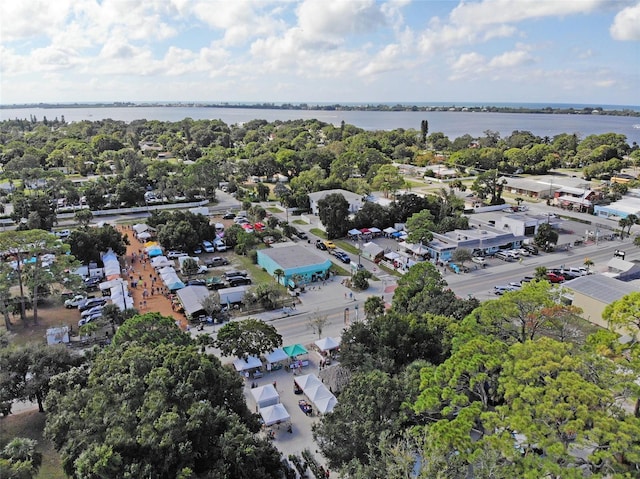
(275, 414)
(265, 396)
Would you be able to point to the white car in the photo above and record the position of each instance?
(208, 247)
(176, 254)
(478, 260)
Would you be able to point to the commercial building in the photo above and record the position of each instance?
(300, 265)
(355, 201)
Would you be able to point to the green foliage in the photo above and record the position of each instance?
(19, 459)
(267, 295)
(360, 279)
(461, 255)
(333, 211)
(249, 337)
(624, 314)
(150, 329)
(156, 409)
(546, 236)
(420, 226)
(88, 243)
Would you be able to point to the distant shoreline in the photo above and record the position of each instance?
(550, 110)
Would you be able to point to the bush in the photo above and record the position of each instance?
(360, 279)
(253, 255)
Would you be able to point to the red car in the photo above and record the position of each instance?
(258, 226)
(555, 278)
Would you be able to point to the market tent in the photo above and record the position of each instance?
(354, 232)
(161, 262)
(317, 392)
(140, 228)
(154, 251)
(389, 230)
(274, 414)
(397, 234)
(326, 404)
(374, 230)
(145, 235)
(365, 231)
(327, 344)
(265, 395)
(191, 298)
(277, 355)
(372, 250)
(306, 381)
(295, 350)
(251, 362)
(123, 302)
(167, 270)
(111, 265)
(391, 255)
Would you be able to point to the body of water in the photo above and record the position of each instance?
(452, 123)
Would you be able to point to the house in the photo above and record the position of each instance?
(300, 265)
(355, 201)
(579, 199)
(592, 293)
(529, 187)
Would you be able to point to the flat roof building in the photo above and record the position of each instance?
(301, 265)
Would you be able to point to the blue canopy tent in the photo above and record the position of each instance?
(295, 350)
(154, 251)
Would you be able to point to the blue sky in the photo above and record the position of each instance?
(485, 51)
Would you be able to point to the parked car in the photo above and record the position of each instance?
(523, 252)
(76, 300)
(555, 278)
(216, 261)
(478, 260)
(208, 247)
(329, 244)
(531, 248)
(176, 254)
(342, 256)
(90, 311)
(228, 216)
(301, 234)
(231, 274)
(219, 245)
(62, 234)
(504, 256)
(526, 279)
(89, 319)
(320, 245)
(90, 303)
(197, 250)
(196, 282)
(500, 290)
(239, 281)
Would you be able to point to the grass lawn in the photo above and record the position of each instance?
(299, 222)
(319, 233)
(257, 273)
(273, 209)
(348, 247)
(31, 424)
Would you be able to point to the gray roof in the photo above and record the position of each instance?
(348, 195)
(191, 298)
(294, 256)
(600, 287)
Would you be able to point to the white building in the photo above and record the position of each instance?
(355, 201)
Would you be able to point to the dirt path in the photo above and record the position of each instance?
(144, 275)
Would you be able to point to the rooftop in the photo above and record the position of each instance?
(293, 256)
(600, 287)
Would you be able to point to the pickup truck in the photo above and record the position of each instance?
(76, 300)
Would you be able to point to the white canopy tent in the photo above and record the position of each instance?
(251, 362)
(265, 396)
(307, 381)
(276, 356)
(274, 414)
(389, 230)
(327, 344)
(144, 235)
(326, 404)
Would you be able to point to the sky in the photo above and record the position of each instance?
(321, 51)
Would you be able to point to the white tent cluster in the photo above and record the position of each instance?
(323, 400)
(117, 286)
(268, 403)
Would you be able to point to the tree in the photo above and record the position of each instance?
(317, 322)
(374, 307)
(150, 329)
(249, 337)
(83, 217)
(488, 184)
(588, 262)
(267, 295)
(19, 459)
(424, 131)
(388, 179)
(360, 279)
(164, 410)
(333, 211)
(517, 315)
(278, 273)
(37, 209)
(461, 255)
(624, 314)
(88, 243)
(546, 236)
(369, 407)
(627, 223)
(29, 369)
(262, 191)
(190, 267)
(211, 303)
(420, 226)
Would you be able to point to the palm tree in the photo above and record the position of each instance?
(588, 262)
(278, 273)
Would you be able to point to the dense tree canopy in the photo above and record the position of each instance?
(155, 408)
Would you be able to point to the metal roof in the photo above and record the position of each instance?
(600, 287)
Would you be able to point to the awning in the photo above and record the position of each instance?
(191, 298)
(154, 251)
(144, 235)
(277, 355)
(365, 231)
(274, 414)
(354, 232)
(392, 255)
(251, 362)
(295, 350)
(327, 344)
(265, 395)
(389, 230)
(397, 234)
(374, 230)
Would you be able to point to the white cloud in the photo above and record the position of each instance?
(511, 59)
(626, 25)
(336, 18)
(24, 19)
